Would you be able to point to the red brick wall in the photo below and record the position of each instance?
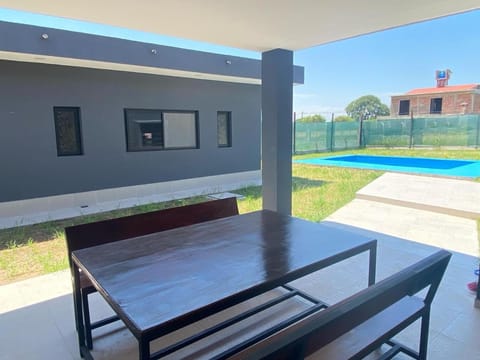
(476, 103)
(451, 103)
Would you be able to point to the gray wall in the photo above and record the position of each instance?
(30, 167)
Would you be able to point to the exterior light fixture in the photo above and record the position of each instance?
(228, 62)
(44, 36)
(154, 51)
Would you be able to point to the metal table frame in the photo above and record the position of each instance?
(146, 335)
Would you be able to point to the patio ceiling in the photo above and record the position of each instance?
(251, 24)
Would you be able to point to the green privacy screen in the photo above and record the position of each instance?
(455, 130)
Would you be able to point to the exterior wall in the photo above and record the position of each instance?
(476, 103)
(32, 211)
(451, 103)
(30, 167)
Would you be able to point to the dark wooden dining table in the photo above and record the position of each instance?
(161, 282)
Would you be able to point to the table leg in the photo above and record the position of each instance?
(372, 264)
(143, 349)
(77, 304)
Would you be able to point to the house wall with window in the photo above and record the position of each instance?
(448, 100)
(70, 130)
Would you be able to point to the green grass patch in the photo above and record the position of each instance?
(317, 192)
(466, 154)
(31, 250)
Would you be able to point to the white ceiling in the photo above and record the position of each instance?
(256, 25)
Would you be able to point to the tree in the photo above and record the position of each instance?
(312, 118)
(367, 107)
(342, 118)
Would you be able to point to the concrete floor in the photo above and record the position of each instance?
(36, 315)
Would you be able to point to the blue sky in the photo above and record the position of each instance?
(389, 62)
(382, 64)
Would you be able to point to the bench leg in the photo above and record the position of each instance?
(424, 335)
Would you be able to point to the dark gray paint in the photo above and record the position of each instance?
(61, 43)
(29, 164)
(277, 94)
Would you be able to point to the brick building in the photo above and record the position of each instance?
(445, 100)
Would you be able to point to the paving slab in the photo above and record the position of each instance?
(427, 227)
(443, 195)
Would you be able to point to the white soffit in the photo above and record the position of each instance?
(92, 64)
(257, 25)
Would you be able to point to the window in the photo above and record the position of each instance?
(404, 107)
(160, 129)
(436, 106)
(224, 128)
(67, 131)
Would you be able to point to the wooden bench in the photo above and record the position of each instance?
(360, 324)
(102, 232)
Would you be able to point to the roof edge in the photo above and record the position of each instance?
(30, 43)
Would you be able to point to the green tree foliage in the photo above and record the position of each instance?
(312, 118)
(367, 107)
(343, 118)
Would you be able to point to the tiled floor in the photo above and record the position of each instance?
(36, 320)
(36, 315)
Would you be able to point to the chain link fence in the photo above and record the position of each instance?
(452, 130)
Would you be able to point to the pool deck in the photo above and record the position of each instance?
(443, 195)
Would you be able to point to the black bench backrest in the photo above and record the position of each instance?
(106, 231)
(319, 329)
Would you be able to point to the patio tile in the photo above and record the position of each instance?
(465, 328)
(446, 348)
(450, 196)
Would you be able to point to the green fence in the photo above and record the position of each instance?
(325, 136)
(459, 130)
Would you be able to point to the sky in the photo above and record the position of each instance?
(385, 63)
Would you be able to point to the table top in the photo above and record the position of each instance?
(168, 278)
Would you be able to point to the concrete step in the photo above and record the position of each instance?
(442, 195)
(453, 233)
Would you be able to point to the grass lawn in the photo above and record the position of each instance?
(33, 250)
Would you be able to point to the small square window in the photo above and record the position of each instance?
(68, 131)
(224, 128)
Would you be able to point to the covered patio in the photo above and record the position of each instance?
(36, 318)
(41, 309)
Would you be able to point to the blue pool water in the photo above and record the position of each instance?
(442, 167)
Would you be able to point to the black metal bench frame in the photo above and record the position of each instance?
(394, 296)
(107, 231)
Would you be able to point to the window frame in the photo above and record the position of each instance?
(77, 129)
(435, 100)
(400, 112)
(229, 129)
(196, 122)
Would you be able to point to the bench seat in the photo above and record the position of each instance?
(356, 326)
(368, 336)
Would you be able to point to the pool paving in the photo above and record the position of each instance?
(443, 195)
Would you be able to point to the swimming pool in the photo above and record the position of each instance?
(442, 167)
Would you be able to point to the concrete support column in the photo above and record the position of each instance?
(277, 99)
